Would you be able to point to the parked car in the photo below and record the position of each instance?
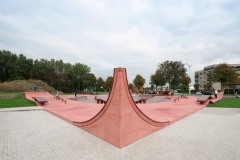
(208, 93)
(199, 93)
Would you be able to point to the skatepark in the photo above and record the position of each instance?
(77, 128)
(33, 133)
(120, 118)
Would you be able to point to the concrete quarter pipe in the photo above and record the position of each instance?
(120, 122)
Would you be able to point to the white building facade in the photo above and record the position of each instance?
(204, 78)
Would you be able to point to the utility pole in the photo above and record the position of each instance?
(189, 66)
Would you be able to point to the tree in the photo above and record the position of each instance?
(130, 86)
(43, 70)
(22, 67)
(108, 83)
(59, 66)
(224, 74)
(173, 72)
(209, 79)
(89, 81)
(237, 80)
(79, 72)
(157, 79)
(196, 86)
(8, 62)
(62, 76)
(100, 84)
(206, 86)
(139, 81)
(185, 82)
(81, 69)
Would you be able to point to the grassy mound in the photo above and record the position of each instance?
(11, 93)
(24, 86)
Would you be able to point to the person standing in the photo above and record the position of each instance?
(35, 88)
(215, 93)
(236, 94)
(75, 92)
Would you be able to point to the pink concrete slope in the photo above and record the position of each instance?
(172, 111)
(71, 111)
(219, 97)
(120, 122)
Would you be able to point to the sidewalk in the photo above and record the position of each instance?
(30, 108)
(209, 134)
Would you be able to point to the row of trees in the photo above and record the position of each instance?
(67, 77)
(174, 73)
(62, 76)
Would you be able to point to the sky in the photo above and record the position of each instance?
(133, 34)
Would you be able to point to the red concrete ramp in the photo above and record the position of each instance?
(219, 97)
(71, 111)
(120, 122)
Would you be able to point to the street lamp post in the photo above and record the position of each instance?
(189, 66)
(96, 87)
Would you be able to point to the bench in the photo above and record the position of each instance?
(100, 101)
(165, 93)
(40, 100)
(142, 100)
(202, 99)
(138, 100)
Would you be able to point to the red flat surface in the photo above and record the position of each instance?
(120, 121)
(71, 111)
(83, 111)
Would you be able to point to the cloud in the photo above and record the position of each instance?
(137, 34)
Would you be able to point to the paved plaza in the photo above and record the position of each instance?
(34, 134)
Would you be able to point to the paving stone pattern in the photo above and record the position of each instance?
(34, 134)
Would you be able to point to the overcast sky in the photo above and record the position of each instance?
(134, 34)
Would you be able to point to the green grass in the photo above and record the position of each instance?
(14, 99)
(227, 103)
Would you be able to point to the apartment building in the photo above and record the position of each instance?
(204, 78)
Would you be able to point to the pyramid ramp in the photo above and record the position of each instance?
(120, 122)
